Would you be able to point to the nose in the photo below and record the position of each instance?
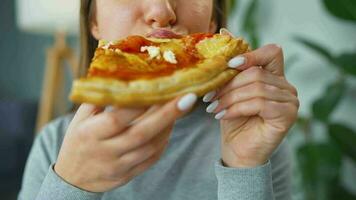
(160, 13)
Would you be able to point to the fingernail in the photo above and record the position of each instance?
(220, 115)
(236, 62)
(109, 108)
(208, 97)
(212, 106)
(187, 101)
(224, 31)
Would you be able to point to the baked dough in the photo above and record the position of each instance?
(208, 73)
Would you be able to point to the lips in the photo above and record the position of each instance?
(163, 34)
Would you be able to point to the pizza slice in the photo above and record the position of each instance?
(140, 71)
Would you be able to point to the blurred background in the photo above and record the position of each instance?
(39, 49)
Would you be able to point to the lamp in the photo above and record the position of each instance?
(57, 18)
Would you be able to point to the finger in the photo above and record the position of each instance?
(210, 96)
(108, 124)
(224, 31)
(268, 110)
(85, 111)
(151, 110)
(139, 169)
(251, 91)
(255, 74)
(270, 57)
(130, 159)
(164, 117)
(277, 116)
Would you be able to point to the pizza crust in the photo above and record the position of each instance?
(208, 75)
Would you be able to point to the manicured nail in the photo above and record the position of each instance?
(236, 62)
(208, 97)
(220, 115)
(109, 108)
(212, 106)
(187, 102)
(224, 31)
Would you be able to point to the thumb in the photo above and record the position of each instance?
(270, 57)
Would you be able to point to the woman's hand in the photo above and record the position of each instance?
(104, 150)
(256, 108)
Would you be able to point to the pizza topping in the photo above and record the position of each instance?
(118, 51)
(197, 37)
(132, 44)
(154, 52)
(139, 58)
(170, 57)
(107, 46)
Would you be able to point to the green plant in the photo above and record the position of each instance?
(320, 162)
(250, 26)
(250, 22)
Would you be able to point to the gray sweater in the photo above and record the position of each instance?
(190, 169)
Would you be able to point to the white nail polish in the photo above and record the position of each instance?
(109, 109)
(187, 101)
(224, 31)
(220, 115)
(208, 97)
(212, 106)
(236, 62)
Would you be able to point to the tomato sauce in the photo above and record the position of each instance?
(158, 68)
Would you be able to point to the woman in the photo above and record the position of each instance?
(100, 154)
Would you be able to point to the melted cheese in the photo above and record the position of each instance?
(106, 46)
(170, 57)
(154, 52)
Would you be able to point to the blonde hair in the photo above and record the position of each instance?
(88, 42)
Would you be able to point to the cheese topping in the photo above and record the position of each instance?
(170, 57)
(107, 45)
(153, 51)
(131, 63)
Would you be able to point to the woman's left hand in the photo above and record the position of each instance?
(256, 108)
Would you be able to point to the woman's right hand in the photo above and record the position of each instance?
(104, 150)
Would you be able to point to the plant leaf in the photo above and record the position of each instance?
(341, 193)
(344, 9)
(345, 138)
(316, 47)
(231, 6)
(250, 23)
(324, 106)
(347, 62)
(255, 41)
(320, 165)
